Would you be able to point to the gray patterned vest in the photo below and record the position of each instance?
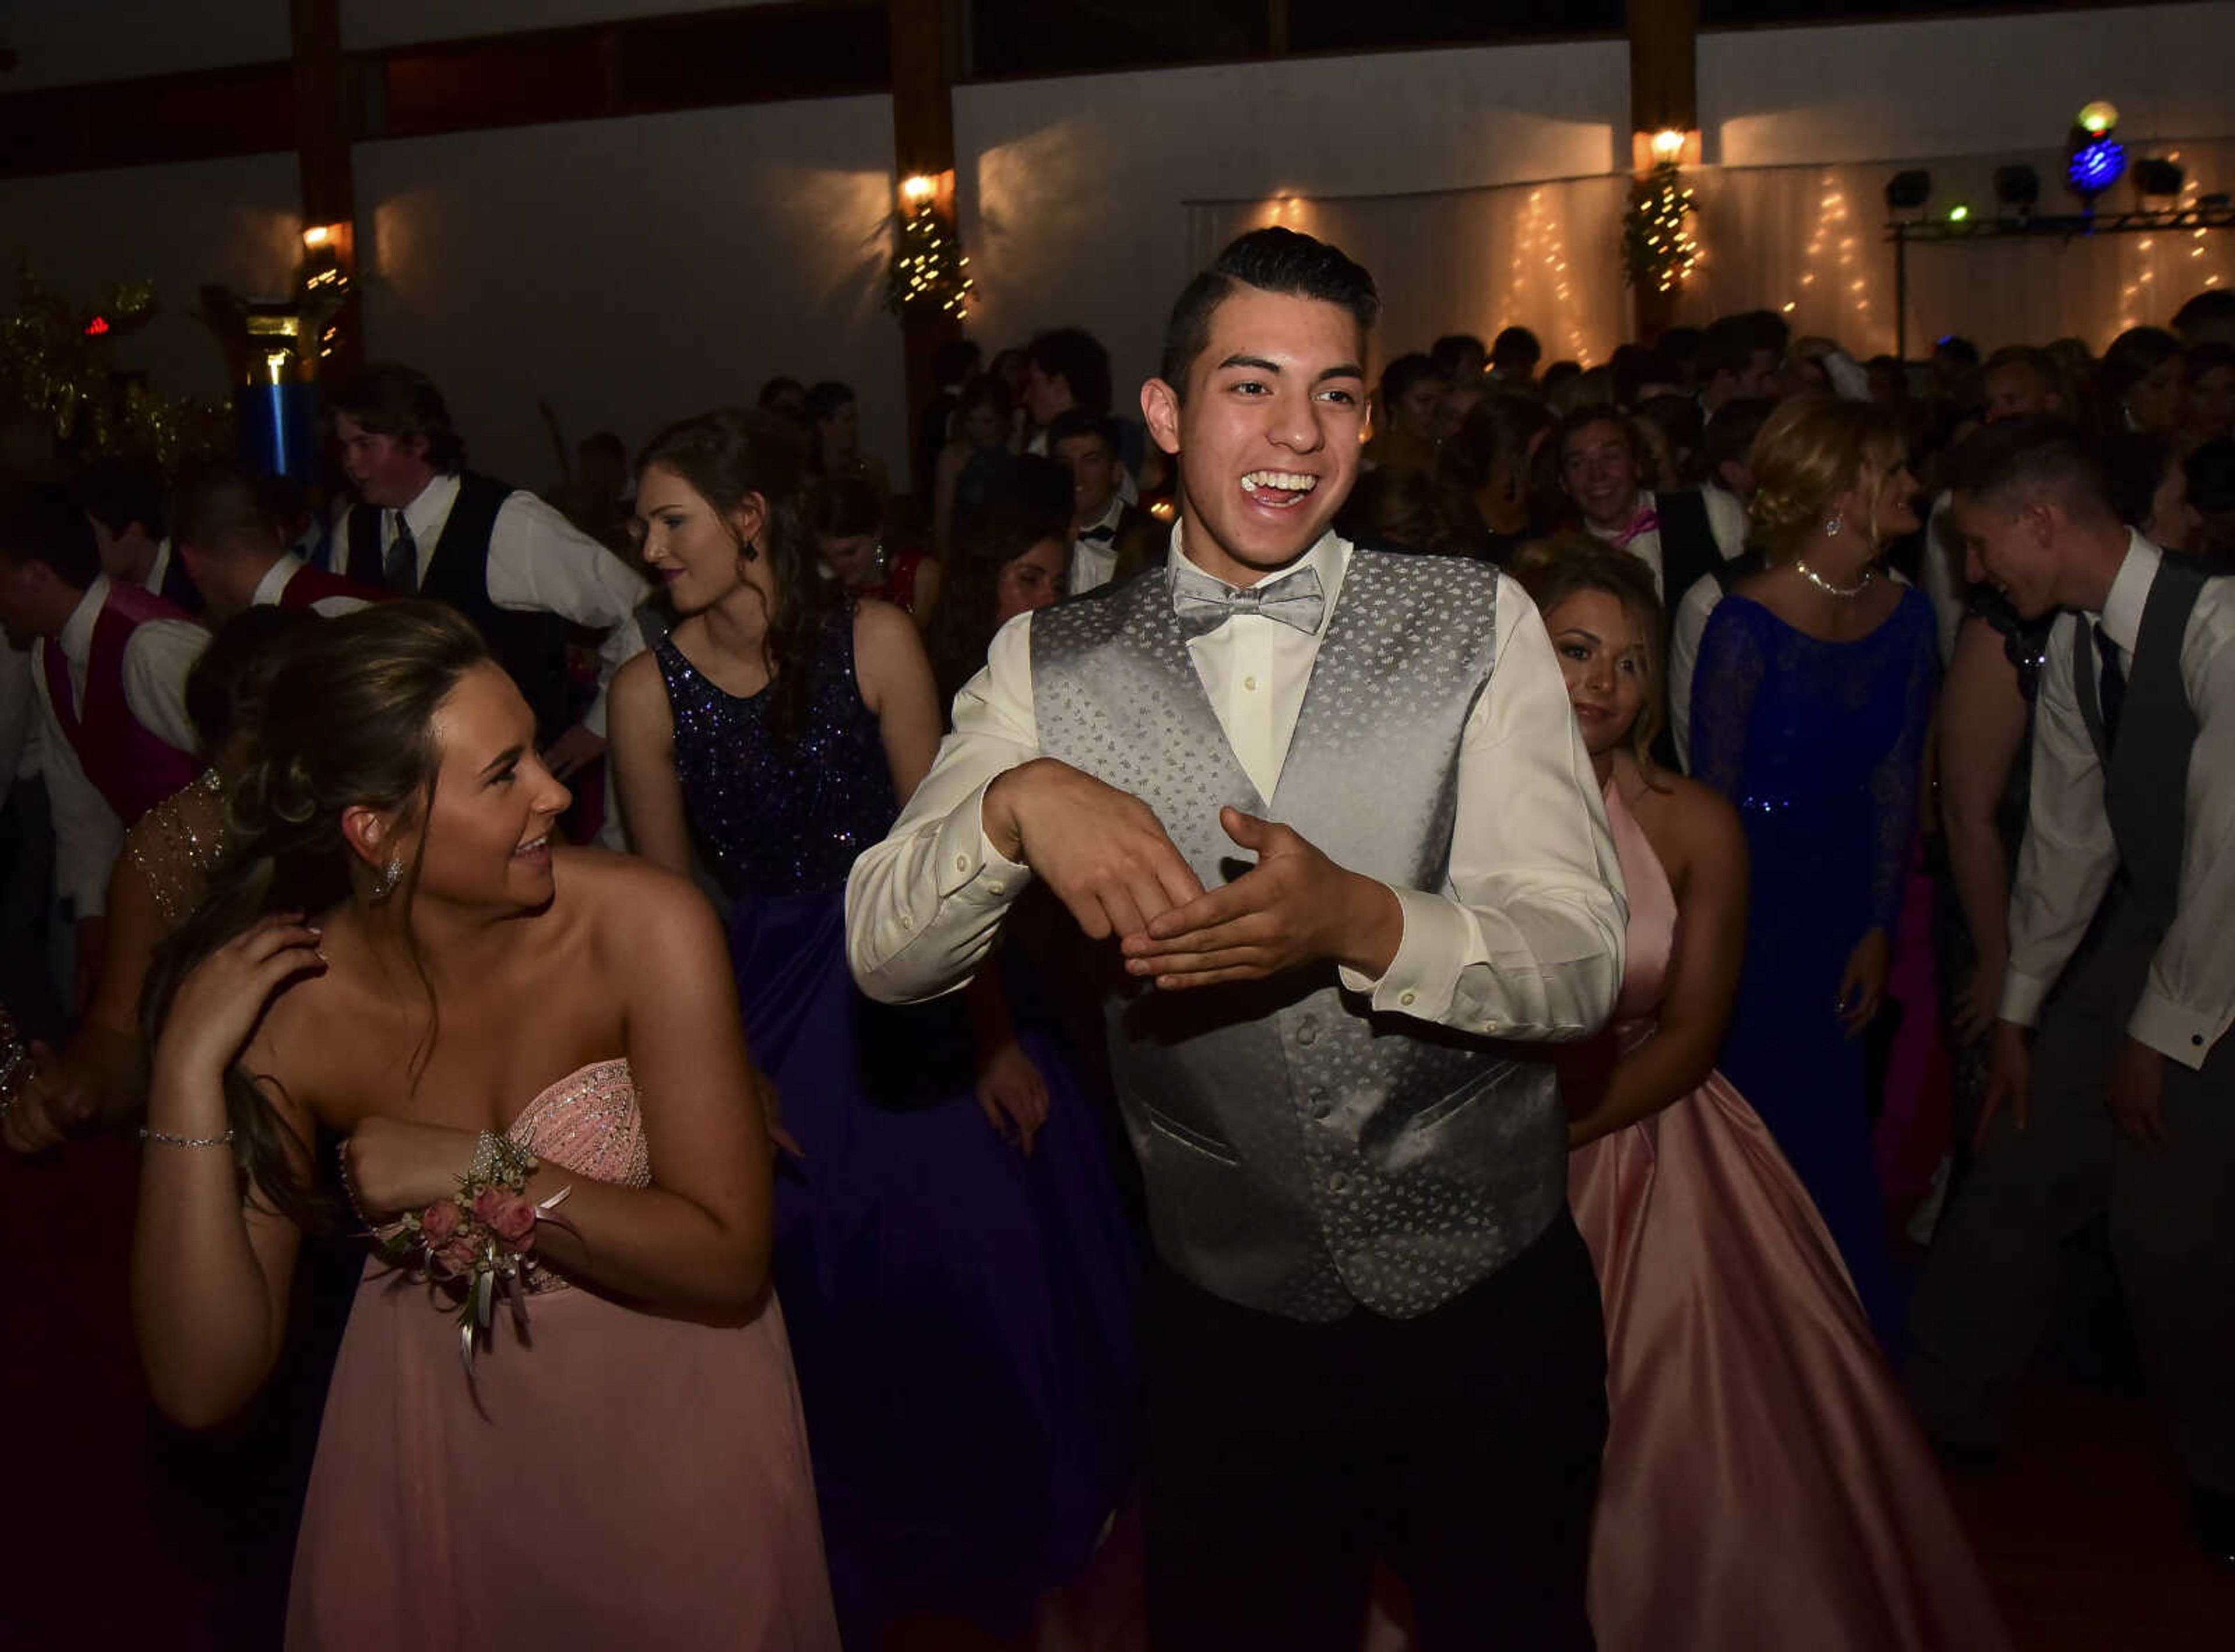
(1303, 1155)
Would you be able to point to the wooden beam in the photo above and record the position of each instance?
(1664, 93)
(324, 129)
(923, 145)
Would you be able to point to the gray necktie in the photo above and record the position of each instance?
(399, 568)
(1205, 604)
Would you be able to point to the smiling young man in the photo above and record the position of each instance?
(1372, 1328)
(2124, 1100)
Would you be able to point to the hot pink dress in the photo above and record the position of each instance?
(625, 1480)
(1765, 1485)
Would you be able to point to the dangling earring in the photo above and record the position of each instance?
(1832, 528)
(749, 552)
(390, 876)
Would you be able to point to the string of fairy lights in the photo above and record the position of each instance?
(929, 272)
(1660, 251)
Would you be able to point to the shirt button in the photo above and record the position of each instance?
(1307, 1032)
(906, 923)
(962, 862)
(1249, 683)
(1490, 1026)
(2197, 1040)
(994, 886)
(1322, 1104)
(1406, 999)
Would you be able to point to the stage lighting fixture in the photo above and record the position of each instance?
(2157, 177)
(2095, 166)
(2018, 187)
(2098, 119)
(1908, 191)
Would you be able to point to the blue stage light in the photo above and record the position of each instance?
(2095, 167)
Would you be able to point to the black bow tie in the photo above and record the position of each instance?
(1102, 535)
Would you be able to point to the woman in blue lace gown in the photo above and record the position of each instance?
(1809, 707)
(958, 1295)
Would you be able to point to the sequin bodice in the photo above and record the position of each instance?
(779, 818)
(588, 1123)
(175, 844)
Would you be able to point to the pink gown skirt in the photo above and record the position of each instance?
(627, 1480)
(1765, 1485)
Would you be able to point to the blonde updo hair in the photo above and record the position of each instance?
(1810, 450)
(1552, 570)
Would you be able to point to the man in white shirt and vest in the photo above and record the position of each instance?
(2112, 1089)
(232, 546)
(108, 673)
(511, 563)
(1372, 1329)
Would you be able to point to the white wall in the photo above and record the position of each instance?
(632, 272)
(67, 42)
(1073, 191)
(1962, 85)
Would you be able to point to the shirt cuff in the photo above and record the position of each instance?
(2174, 1031)
(2022, 998)
(966, 865)
(1431, 952)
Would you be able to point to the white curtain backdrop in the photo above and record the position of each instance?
(1806, 241)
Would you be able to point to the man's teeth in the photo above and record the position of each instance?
(1286, 481)
(533, 844)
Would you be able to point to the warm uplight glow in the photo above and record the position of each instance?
(1667, 144)
(2099, 117)
(1957, 214)
(919, 189)
(318, 235)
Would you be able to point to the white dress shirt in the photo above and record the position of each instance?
(87, 833)
(2068, 856)
(1944, 582)
(539, 563)
(1725, 521)
(1525, 939)
(159, 570)
(273, 585)
(1093, 562)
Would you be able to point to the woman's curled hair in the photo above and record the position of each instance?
(347, 721)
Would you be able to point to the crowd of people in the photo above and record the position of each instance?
(1485, 1007)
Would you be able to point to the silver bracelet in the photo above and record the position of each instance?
(165, 1139)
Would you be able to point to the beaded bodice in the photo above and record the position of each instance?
(588, 1123)
(776, 816)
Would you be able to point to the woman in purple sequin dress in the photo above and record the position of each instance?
(958, 1295)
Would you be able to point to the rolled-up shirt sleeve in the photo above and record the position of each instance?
(1525, 939)
(924, 908)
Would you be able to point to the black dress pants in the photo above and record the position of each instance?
(1462, 1447)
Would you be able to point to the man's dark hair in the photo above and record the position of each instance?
(117, 492)
(2198, 359)
(2135, 465)
(952, 362)
(390, 400)
(1730, 435)
(222, 500)
(2213, 307)
(1680, 347)
(1956, 349)
(1729, 343)
(1515, 347)
(1077, 421)
(1076, 356)
(1400, 376)
(1450, 352)
(777, 391)
(40, 522)
(1271, 260)
(2036, 454)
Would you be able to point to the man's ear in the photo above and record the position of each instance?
(1160, 410)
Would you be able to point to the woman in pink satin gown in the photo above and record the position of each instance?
(630, 1469)
(1764, 1486)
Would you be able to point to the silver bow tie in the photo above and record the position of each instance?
(1205, 604)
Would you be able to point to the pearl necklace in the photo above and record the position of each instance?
(1826, 585)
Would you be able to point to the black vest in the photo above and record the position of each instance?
(1689, 551)
(531, 646)
(2145, 773)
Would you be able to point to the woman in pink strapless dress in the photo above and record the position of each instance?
(1764, 1484)
(632, 1468)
